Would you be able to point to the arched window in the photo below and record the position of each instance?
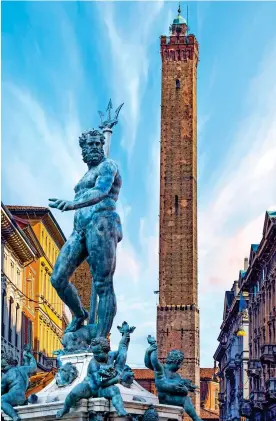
(177, 84)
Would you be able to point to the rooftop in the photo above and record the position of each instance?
(12, 234)
(179, 20)
(143, 374)
(207, 373)
(40, 213)
(207, 414)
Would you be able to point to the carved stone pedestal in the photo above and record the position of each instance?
(50, 400)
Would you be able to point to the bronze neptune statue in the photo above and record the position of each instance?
(97, 231)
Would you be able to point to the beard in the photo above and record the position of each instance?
(92, 156)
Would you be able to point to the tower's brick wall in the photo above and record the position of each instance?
(178, 314)
(82, 279)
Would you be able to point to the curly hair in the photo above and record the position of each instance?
(103, 342)
(175, 357)
(90, 133)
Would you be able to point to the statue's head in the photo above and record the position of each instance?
(127, 376)
(100, 348)
(174, 359)
(7, 362)
(66, 374)
(91, 143)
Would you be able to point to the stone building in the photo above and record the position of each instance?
(17, 254)
(232, 354)
(178, 312)
(259, 283)
(39, 224)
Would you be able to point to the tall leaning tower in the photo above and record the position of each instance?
(178, 312)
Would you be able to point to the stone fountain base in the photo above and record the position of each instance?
(51, 398)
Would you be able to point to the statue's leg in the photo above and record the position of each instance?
(7, 403)
(113, 393)
(101, 243)
(70, 257)
(189, 409)
(81, 391)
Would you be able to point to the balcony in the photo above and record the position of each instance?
(45, 363)
(10, 349)
(221, 397)
(271, 389)
(268, 353)
(245, 408)
(257, 399)
(254, 368)
(230, 368)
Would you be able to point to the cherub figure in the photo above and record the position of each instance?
(15, 381)
(104, 371)
(171, 387)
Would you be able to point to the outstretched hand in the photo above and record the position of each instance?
(126, 329)
(63, 205)
(152, 342)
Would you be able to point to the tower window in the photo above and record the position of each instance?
(177, 83)
(176, 204)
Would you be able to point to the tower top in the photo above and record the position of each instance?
(179, 20)
(179, 25)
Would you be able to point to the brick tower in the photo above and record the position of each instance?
(178, 313)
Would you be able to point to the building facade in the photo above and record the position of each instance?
(48, 308)
(209, 390)
(16, 254)
(232, 355)
(259, 281)
(178, 312)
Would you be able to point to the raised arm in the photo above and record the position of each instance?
(151, 357)
(29, 362)
(107, 172)
(121, 357)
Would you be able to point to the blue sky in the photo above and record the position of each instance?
(61, 62)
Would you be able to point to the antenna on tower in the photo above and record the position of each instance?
(187, 19)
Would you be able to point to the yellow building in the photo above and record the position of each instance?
(49, 309)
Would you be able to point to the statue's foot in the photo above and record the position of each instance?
(77, 322)
(123, 413)
(60, 413)
(17, 418)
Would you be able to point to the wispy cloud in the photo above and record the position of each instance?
(244, 187)
(130, 61)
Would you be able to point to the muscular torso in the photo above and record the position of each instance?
(84, 215)
(16, 379)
